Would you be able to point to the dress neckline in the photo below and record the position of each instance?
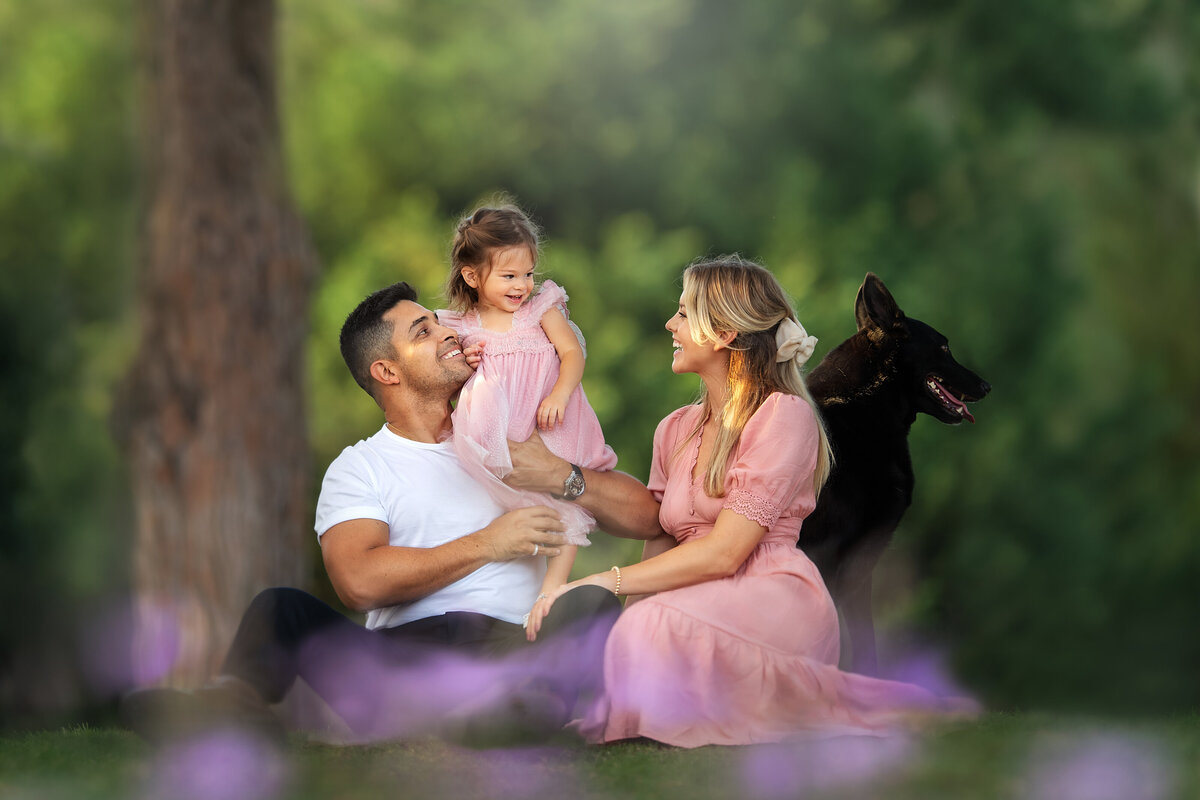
(692, 479)
(512, 323)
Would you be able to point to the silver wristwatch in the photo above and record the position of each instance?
(574, 485)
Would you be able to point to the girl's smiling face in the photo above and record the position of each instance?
(506, 283)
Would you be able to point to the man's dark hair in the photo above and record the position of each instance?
(367, 337)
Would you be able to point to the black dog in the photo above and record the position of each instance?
(870, 389)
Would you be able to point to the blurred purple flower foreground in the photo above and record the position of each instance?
(1097, 765)
(794, 769)
(221, 765)
(112, 662)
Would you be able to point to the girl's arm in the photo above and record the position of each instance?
(718, 555)
(570, 370)
(558, 570)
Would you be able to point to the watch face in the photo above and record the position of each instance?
(573, 486)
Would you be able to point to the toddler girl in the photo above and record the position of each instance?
(529, 374)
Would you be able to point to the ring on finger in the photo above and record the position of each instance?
(536, 548)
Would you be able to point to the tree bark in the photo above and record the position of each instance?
(212, 411)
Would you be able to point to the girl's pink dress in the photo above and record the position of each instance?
(500, 402)
(753, 657)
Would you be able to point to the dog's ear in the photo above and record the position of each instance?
(874, 308)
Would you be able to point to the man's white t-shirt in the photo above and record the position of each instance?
(426, 499)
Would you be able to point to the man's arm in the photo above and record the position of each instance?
(621, 504)
(367, 572)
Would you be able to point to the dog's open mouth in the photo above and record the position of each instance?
(947, 398)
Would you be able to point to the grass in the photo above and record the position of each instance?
(995, 756)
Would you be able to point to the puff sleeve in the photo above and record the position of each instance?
(551, 295)
(666, 441)
(773, 464)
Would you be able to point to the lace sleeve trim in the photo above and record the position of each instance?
(753, 507)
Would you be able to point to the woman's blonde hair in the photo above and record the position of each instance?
(476, 239)
(731, 294)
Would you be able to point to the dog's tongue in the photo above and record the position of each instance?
(961, 406)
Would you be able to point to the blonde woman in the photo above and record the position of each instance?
(737, 642)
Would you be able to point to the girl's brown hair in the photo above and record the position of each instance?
(476, 238)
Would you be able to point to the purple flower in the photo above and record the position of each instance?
(221, 765)
(1098, 765)
(793, 769)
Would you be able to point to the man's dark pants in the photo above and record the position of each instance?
(287, 633)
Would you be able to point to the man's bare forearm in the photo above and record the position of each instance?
(621, 504)
(367, 572)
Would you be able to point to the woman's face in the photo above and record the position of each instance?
(689, 356)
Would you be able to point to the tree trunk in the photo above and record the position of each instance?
(212, 411)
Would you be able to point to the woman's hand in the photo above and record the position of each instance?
(541, 607)
(605, 580)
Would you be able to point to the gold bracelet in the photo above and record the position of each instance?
(617, 588)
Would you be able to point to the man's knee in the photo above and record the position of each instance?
(283, 607)
(584, 603)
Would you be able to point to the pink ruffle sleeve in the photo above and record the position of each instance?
(550, 295)
(774, 462)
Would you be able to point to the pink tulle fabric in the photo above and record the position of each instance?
(500, 402)
(751, 658)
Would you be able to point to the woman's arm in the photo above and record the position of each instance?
(558, 570)
(570, 370)
(717, 555)
(656, 546)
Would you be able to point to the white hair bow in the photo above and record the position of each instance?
(793, 342)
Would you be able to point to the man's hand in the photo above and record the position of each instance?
(535, 468)
(526, 532)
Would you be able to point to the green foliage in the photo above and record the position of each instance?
(1022, 176)
(1012, 176)
(66, 225)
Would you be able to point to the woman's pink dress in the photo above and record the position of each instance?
(749, 658)
(500, 402)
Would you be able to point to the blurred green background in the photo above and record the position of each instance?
(1024, 176)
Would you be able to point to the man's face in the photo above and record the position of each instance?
(428, 355)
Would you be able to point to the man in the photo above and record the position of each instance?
(444, 576)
